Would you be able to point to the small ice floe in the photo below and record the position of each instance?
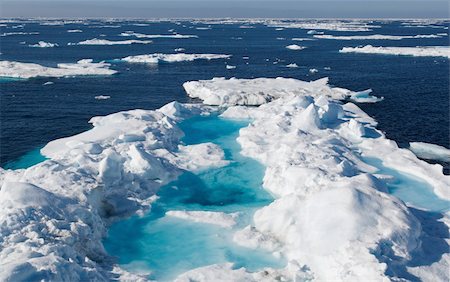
(217, 218)
(313, 70)
(295, 47)
(293, 65)
(377, 37)
(302, 39)
(419, 51)
(245, 58)
(281, 38)
(179, 50)
(202, 28)
(97, 41)
(172, 58)
(48, 83)
(43, 44)
(230, 67)
(74, 30)
(102, 97)
(315, 32)
(174, 36)
(430, 151)
(327, 68)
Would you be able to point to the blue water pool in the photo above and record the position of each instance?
(29, 159)
(168, 246)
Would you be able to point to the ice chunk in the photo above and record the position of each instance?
(140, 35)
(430, 151)
(429, 51)
(217, 218)
(43, 44)
(376, 37)
(171, 58)
(96, 41)
(28, 70)
(295, 47)
(293, 65)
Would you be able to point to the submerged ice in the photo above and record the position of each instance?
(343, 206)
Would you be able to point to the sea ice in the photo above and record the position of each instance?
(96, 41)
(429, 51)
(172, 58)
(28, 70)
(376, 37)
(293, 65)
(295, 47)
(43, 44)
(217, 218)
(140, 35)
(430, 151)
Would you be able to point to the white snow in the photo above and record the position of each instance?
(209, 217)
(295, 47)
(43, 44)
(221, 91)
(432, 51)
(97, 41)
(376, 37)
(28, 70)
(430, 151)
(141, 35)
(172, 58)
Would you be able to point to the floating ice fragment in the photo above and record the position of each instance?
(430, 151)
(295, 47)
(428, 51)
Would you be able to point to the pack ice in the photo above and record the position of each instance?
(332, 218)
(420, 51)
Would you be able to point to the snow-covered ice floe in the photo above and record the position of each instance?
(141, 35)
(332, 218)
(431, 51)
(43, 44)
(335, 25)
(221, 91)
(172, 58)
(18, 33)
(28, 70)
(96, 41)
(430, 151)
(376, 37)
(295, 47)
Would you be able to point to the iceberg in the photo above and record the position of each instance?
(43, 44)
(96, 41)
(333, 218)
(141, 35)
(172, 58)
(295, 47)
(429, 51)
(29, 70)
(430, 151)
(377, 37)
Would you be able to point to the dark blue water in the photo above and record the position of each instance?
(168, 246)
(416, 105)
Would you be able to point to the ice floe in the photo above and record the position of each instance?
(172, 58)
(209, 217)
(343, 25)
(102, 97)
(313, 70)
(295, 47)
(221, 91)
(74, 30)
(43, 44)
(175, 36)
(97, 41)
(230, 67)
(429, 51)
(293, 65)
(430, 151)
(376, 37)
(19, 33)
(28, 70)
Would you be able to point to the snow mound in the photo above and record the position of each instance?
(172, 58)
(96, 41)
(376, 37)
(141, 35)
(28, 70)
(432, 51)
(295, 47)
(43, 44)
(430, 151)
(221, 91)
(209, 217)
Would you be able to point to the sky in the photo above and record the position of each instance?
(226, 8)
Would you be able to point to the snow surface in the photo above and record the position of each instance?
(172, 58)
(43, 44)
(430, 151)
(332, 218)
(295, 47)
(28, 70)
(141, 35)
(376, 37)
(221, 91)
(432, 51)
(96, 41)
